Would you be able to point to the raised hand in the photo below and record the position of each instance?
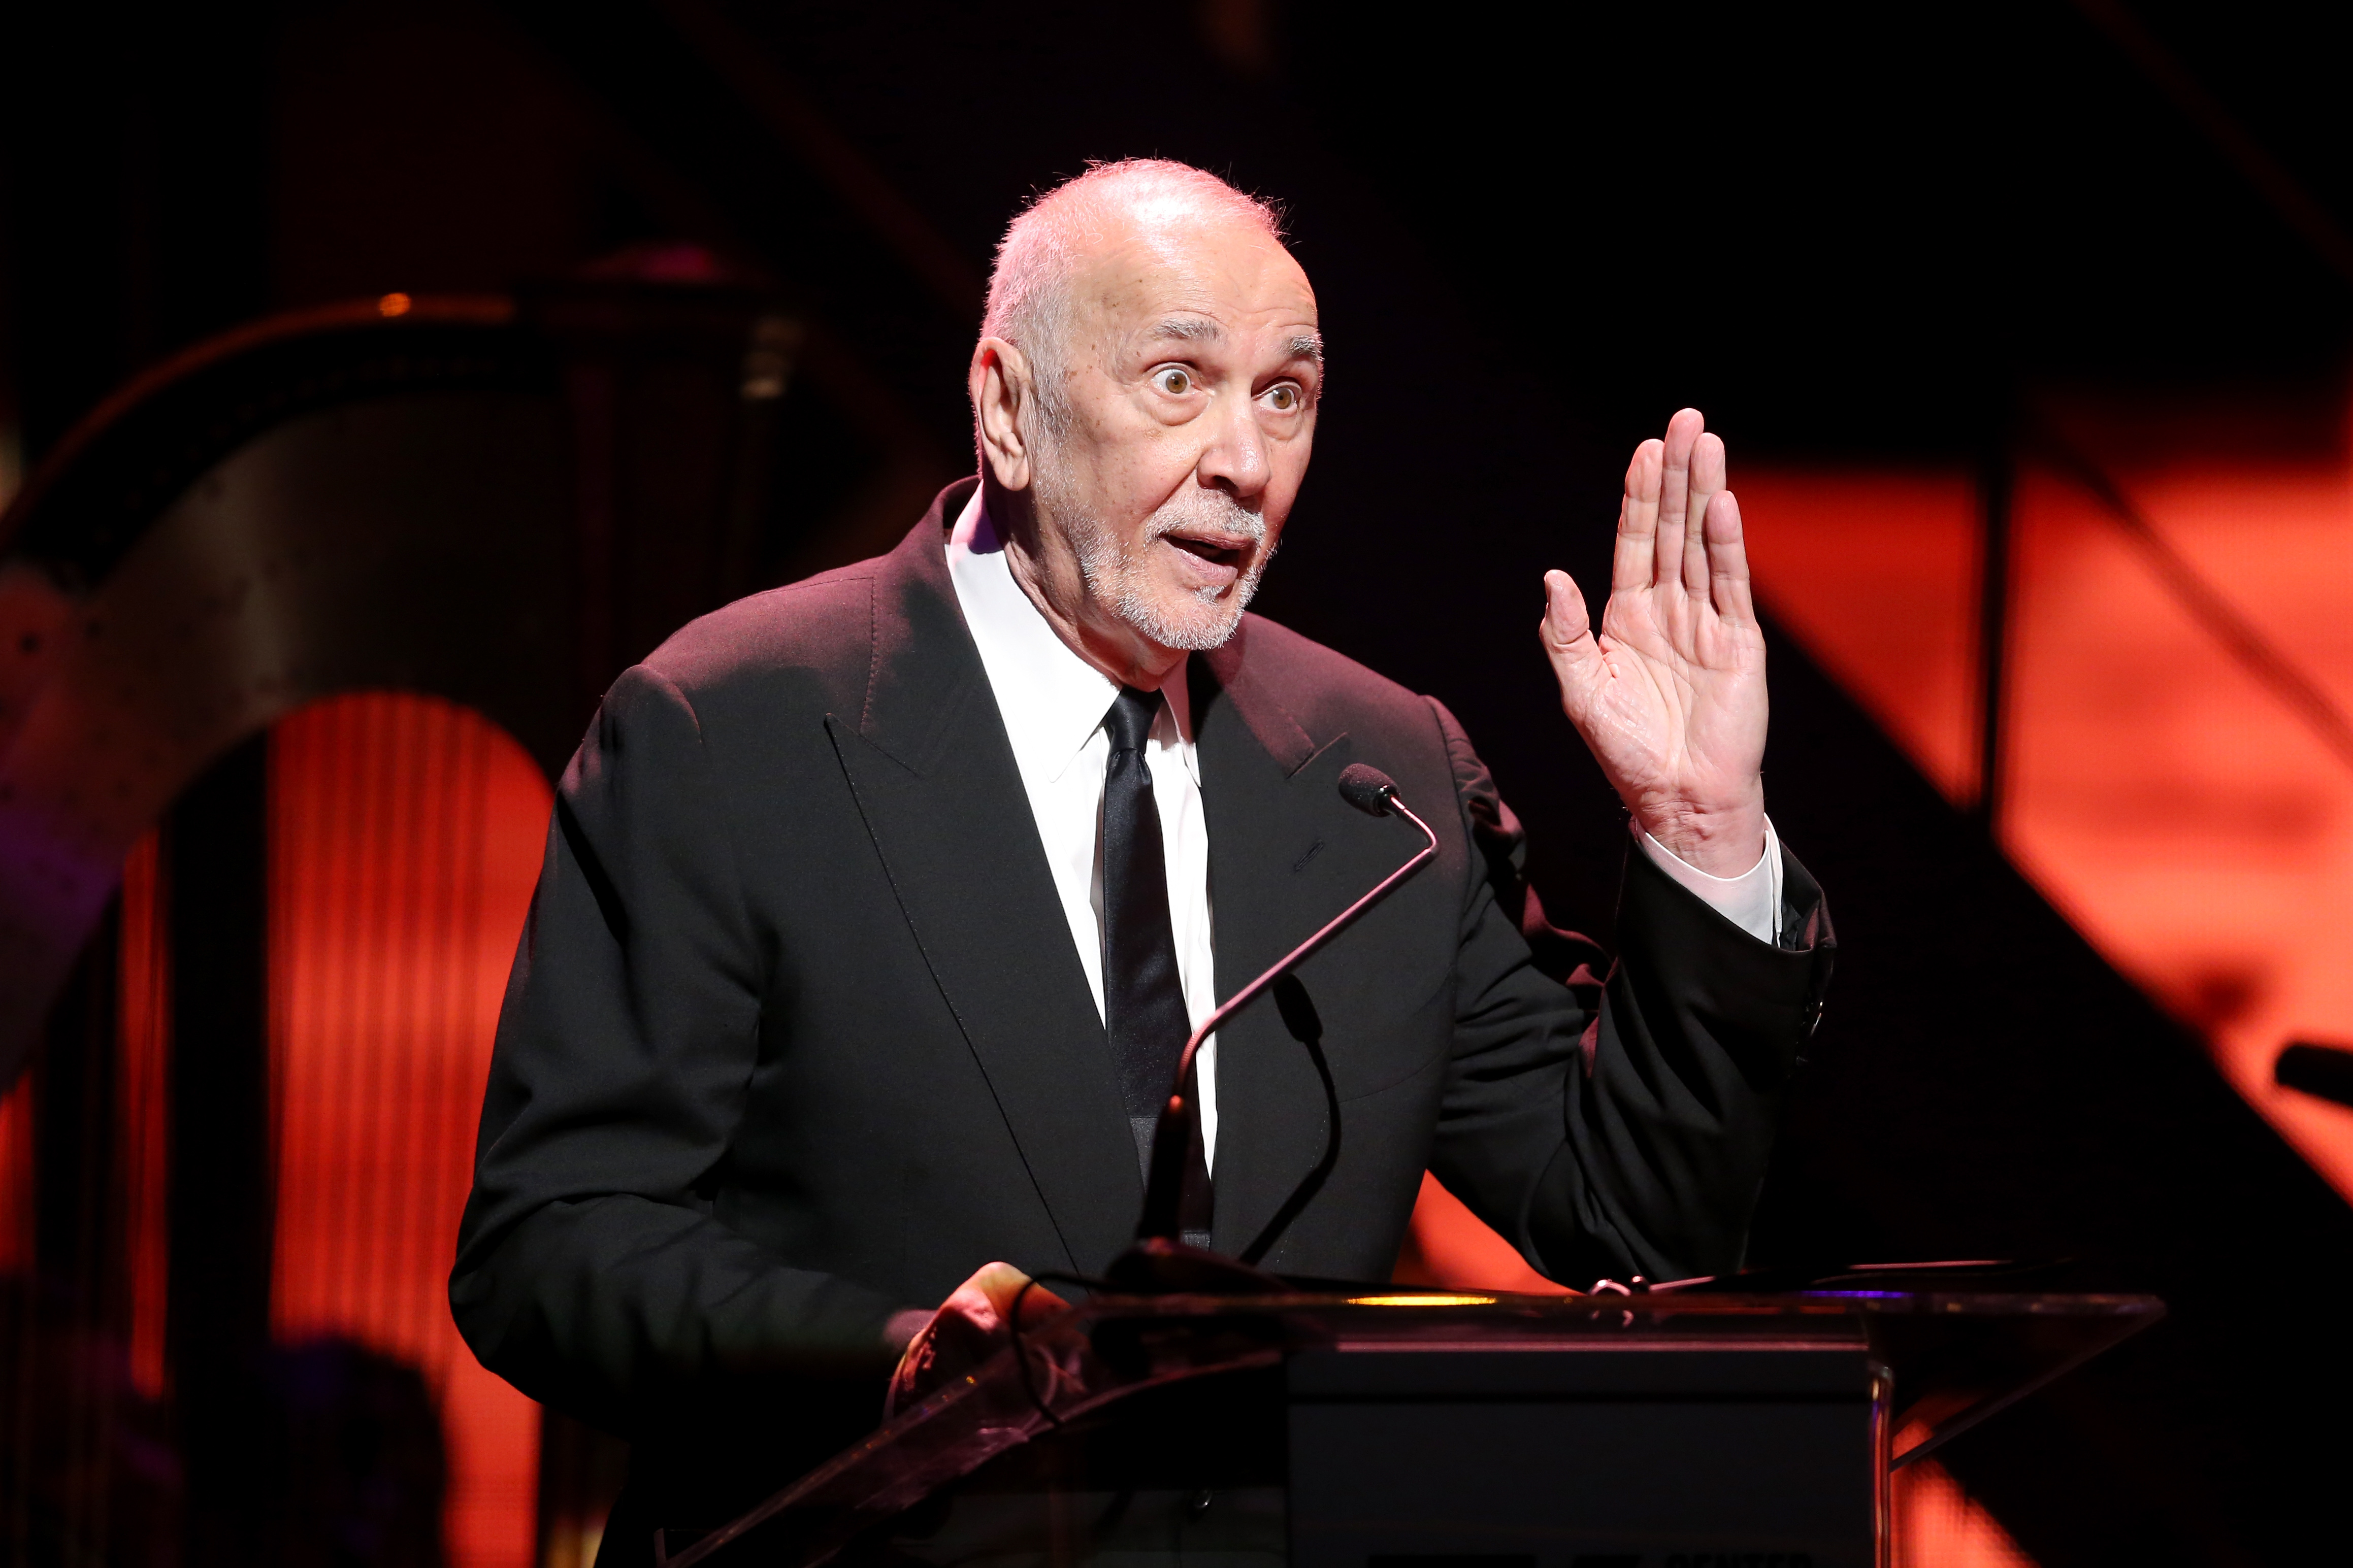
(1671, 694)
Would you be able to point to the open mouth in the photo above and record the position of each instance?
(1211, 560)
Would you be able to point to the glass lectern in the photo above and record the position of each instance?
(1418, 1429)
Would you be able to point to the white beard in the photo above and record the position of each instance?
(1114, 575)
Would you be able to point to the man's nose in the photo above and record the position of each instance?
(1236, 458)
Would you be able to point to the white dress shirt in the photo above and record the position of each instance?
(1053, 704)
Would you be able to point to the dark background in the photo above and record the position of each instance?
(1847, 233)
(1842, 232)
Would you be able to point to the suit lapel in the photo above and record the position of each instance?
(1286, 854)
(935, 776)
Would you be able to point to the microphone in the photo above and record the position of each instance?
(1372, 792)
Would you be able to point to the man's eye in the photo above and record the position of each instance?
(1282, 399)
(1176, 381)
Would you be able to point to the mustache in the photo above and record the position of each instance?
(1212, 510)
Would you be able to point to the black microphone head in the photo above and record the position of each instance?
(1367, 789)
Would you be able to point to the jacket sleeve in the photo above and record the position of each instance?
(590, 1273)
(1615, 1120)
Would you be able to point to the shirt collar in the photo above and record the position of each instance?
(1052, 701)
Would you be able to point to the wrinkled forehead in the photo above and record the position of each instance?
(1145, 274)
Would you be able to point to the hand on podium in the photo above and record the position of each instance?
(974, 1323)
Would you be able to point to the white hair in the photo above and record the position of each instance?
(1045, 246)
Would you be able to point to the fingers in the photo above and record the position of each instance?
(1674, 496)
(1635, 560)
(1706, 484)
(1667, 526)
(1727, 561)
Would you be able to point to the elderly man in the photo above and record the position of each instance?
(877, 908)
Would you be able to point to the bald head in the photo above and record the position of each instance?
(1149, 203)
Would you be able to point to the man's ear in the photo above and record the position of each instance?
(1000, 386)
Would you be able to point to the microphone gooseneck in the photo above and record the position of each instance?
(1370, 791)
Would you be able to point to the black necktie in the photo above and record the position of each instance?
(1143, 1001)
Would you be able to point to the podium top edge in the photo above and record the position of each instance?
(1499, 1305)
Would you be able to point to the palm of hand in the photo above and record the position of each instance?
(1671, 694)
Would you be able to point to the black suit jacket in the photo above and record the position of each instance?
(797, 1039)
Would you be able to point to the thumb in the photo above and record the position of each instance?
(1567, 633)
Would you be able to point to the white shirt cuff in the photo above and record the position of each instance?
(1751, 900)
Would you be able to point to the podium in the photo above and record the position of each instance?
(1428, 1429)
